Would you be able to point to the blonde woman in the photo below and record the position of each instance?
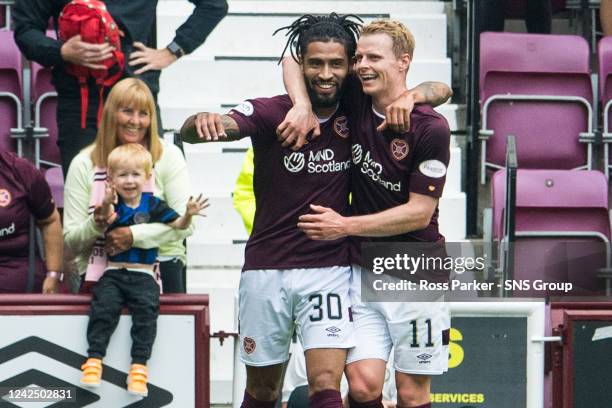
(129, 116)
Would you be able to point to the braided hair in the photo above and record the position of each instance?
(310, 28)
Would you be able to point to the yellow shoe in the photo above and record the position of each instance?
(137, 380)
(92, 372)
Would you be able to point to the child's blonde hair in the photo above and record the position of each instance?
(130, 153)
(403, 40)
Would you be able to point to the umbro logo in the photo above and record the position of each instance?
(424, 358)
(333, 331)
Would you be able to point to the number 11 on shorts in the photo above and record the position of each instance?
(415, 334)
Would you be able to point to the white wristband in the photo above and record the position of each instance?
(57, 275)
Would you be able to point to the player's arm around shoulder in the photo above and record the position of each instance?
(300, 119)
(397, 114)
(426, 187)
(209, 127)
(433, 93)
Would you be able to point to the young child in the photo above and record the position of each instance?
(129, 279)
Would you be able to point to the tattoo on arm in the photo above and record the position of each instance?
(436, 93)
(231, 127)
(189, 133)
(433, 93)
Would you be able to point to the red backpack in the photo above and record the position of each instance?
(92, 21)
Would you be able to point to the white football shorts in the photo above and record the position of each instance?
(272, 303)
(418, 330)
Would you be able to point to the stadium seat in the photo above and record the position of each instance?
(538, 88)
(10, 90)
(45, 106)
(45, 128)
(55, 179)
(562, 226)
(605, 94)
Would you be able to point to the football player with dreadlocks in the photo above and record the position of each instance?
(289, 280)
(397, 179)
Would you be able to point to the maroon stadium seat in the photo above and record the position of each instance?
(605, 93)
(562, 225)
(45, 106)
(10, 89)
(538, 88)
(55, 179)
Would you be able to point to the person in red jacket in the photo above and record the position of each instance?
(137, 20)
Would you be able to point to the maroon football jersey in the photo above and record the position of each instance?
(388, 166)
(23, 192)
(286, 182)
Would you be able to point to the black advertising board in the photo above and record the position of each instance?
(592, 363)
(487, 365)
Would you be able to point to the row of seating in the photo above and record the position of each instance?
(41, 107)
(43, 99)
(539, 89)
(561, 229)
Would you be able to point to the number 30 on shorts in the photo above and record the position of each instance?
(332, 305)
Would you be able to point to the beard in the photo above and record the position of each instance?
(322, 101)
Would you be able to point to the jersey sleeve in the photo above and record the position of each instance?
(258, 118)
(161, 212)
(432, 157)
(39, 199)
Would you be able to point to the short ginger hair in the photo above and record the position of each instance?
(403, 40)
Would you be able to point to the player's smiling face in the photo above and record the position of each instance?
(377, 66)
(325, 66)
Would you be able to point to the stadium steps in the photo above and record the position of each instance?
(214, 174)
(222, 224)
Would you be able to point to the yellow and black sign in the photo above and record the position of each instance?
(487, 364)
